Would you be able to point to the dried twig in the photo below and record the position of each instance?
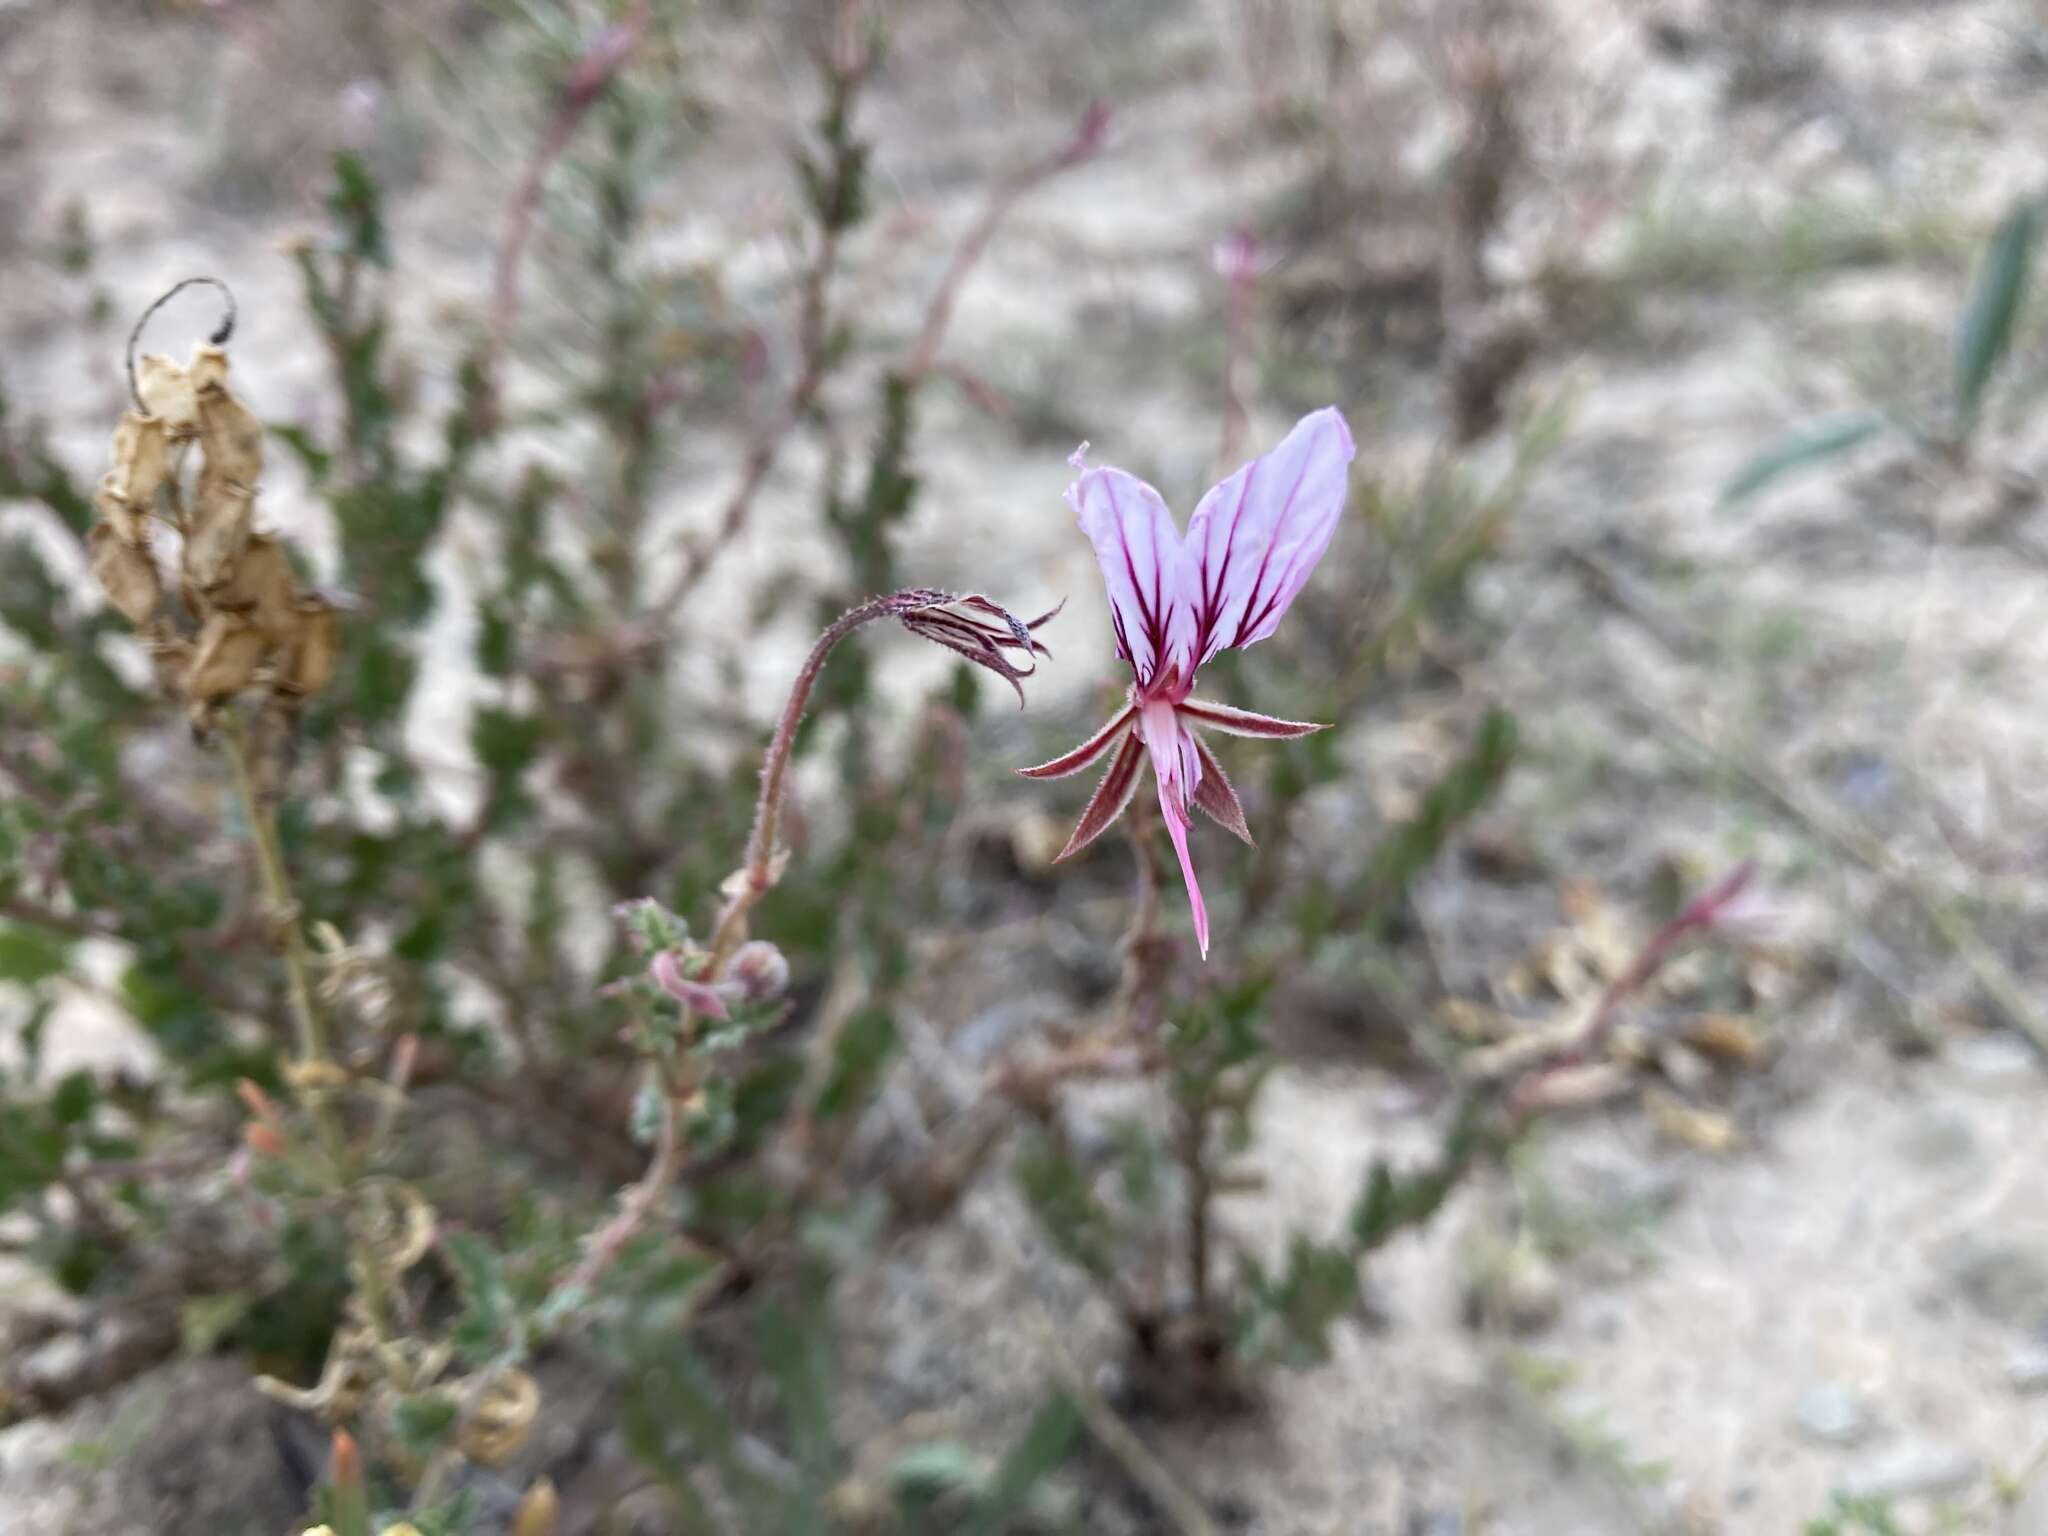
(595, 70)
(1087, 139)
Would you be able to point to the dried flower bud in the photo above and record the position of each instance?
(500, 1420)
(259, 586)
(217, 530)
(539, 1512)
(141, 460)
(667, 971)
(315, 649)
(126, 573)
(167, 393)
(758, 971)
(224, 659)
(344, 1462)
(229, 429)
(983, 631)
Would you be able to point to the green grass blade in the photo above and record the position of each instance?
(1042, 1449)
(1803, 449)
(1993, 312)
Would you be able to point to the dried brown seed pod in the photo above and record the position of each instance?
(126, 573)
(259, 586)
(128, 521)
(171, 656)
(229, 432)
(142, 460)
(224, 659)
(315, 649)
(539, 1512)
(217, 530)
(167, 394)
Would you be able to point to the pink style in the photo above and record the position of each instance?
(1176, 602)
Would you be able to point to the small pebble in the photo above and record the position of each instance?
(1916, 1469)
(2026, 1368)
(1997, 1061)
(1830, 1414)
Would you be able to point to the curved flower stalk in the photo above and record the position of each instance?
(1176, 601)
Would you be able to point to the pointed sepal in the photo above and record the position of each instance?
(1087, 752)
(1215, 796)
(1243, 722)
(1111, 796)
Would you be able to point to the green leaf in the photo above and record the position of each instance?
(1042, 1449)
(29, 955)
(858, 1056)
(73, 1098)
(423, 1422)
(937, 1469)
(1992, 315)
(1803, 449)
(487, 1313)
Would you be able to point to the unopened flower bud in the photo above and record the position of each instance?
(539, 1512)
(759, 970)
(667, 971)
(262, 1139)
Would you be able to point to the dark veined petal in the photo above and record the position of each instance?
(1243, 722)
(1177, 830)
(1110, 797)
(1256, 537)
(1214, 794)
(982, 631)
(1151, 579)
(1087, 752)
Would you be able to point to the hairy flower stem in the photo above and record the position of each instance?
(277, 894)
(754, 881)
(311, 1028)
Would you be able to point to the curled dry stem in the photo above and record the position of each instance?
(219, 338)
(593, 75)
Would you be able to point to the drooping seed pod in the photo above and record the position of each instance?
(224, 659)
(315, 648)
(216, 530)
(167, 394)
(128, 521)
(259, 586)
(126, 573)
(141, 459)
(229, 433)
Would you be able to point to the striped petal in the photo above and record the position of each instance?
(1110, 797)
(1256, 537)
(1214, 795)
(1242, 722)
(1087, 752)
(1148, 571)
(1177, 829)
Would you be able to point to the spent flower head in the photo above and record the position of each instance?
(1175, 602)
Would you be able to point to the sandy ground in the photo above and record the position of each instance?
(1858, 1298)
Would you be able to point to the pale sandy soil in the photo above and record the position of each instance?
(1881, 1240)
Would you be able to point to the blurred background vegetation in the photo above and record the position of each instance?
(1647, 953)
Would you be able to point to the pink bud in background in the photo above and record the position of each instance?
(757, 971)
(667, 971)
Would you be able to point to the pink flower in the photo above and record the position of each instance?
(1176, 602)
